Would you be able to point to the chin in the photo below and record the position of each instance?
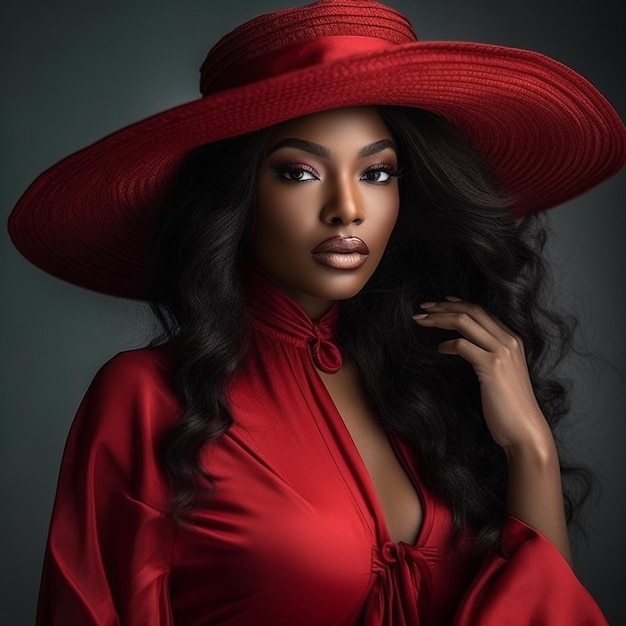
(340, 287)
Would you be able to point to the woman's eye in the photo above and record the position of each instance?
(377, 176)
(294, 173)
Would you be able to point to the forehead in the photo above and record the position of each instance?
(362, 124)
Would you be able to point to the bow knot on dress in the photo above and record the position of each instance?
(325, 354)
(404, 571)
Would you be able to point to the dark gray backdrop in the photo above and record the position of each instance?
(73, 71)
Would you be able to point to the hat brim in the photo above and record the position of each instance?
(549, 134)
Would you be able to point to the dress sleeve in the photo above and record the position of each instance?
(531, 584)
(109, 544)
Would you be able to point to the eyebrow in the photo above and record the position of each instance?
(321, 151)
(377, 146)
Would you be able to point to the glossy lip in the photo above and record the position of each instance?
(343, 253)
(341, 245)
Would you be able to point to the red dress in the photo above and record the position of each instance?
(295, 533)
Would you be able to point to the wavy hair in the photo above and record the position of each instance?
(457, 234)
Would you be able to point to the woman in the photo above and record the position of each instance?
(309, 447)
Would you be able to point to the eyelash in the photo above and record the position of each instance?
(383, 167)
(284, 170)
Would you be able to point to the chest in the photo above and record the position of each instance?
(295, 524)
(396, 495)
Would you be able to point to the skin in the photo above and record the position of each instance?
(511, 411)
(325, 175)
(302, 200)
(305, 196)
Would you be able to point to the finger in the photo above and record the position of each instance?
(493, 318)
(467, 350)
(492, 324)
(464, 324)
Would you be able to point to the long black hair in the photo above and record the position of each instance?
(457, 234)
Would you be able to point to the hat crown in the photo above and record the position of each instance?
(286, 40)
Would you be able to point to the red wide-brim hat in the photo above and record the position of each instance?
(549, 134)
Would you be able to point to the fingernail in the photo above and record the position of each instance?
(453, 299)
(427, 305)
(419, 316)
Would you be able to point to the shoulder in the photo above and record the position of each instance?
(133, 393)
(145, 366)
(143, 377)
(113, 445)
(128, 408)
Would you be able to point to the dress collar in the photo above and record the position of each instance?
(278, 315)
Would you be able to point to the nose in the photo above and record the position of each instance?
(343, 204)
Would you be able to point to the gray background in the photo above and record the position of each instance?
(73, 71)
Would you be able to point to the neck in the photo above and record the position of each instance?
(314, 307)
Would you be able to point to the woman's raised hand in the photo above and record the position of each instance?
(497, 355)
(515, 421)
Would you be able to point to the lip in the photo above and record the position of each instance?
(341, 245)
(342, 253)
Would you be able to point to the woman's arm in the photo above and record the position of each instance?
(511, 411)
(534, 491)
(107, 557)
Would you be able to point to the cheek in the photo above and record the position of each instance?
(386, 218)
(278, 227)
(285, 213)
(275, 228)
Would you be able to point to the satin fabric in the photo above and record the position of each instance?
(294, 533)
(288, 59)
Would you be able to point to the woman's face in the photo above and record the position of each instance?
(326, 203)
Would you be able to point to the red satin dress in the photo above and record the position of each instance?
(294, 534)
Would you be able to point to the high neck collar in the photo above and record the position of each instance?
(277, 314)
